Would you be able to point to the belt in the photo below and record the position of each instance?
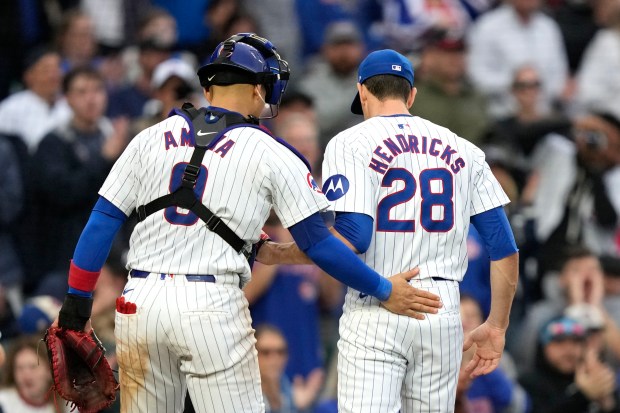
(189, 277)
(440, 279)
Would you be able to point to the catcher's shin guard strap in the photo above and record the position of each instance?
(75, 312)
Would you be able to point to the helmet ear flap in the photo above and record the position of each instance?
(268, 92)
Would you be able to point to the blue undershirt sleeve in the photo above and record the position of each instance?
(356, 228)
(96, 240)
(336, 259)
(496, 233)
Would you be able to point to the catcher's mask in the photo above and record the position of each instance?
(246, 58)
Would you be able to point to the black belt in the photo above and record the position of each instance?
(189, 277)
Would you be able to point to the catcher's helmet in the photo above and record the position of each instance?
(248, 59)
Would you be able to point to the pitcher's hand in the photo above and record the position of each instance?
(489, 341)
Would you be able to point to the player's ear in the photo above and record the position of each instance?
(257, 91)
(411, 97)
(207, 93)
(361, 89)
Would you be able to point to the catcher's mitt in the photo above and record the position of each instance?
(80, 371)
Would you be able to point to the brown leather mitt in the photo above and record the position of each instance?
(81, 373)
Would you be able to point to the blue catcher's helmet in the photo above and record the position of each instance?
(247, 59)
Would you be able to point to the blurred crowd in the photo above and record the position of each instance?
(534, 83)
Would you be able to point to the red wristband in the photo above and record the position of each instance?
(264, 237)
(81, 279)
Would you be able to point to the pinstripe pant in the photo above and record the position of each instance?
(194, 336)
(390, 363)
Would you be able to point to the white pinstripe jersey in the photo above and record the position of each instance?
(243, 176)
(420, 183)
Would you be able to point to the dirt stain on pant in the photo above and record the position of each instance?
(133, 362)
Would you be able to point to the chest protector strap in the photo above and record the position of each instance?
(206, 135)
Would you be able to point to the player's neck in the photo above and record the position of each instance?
(235, 103)
(386, 108)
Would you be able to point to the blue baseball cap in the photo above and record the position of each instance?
(562, 328)
(382, 62)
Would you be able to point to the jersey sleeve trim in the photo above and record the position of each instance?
(495, 231)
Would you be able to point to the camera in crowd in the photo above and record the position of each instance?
(597, 137)
(593, 139)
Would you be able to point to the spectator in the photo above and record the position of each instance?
(28, 380)
(21, 28)
(611, 307)
(568, 378)
(580, 283)
(293, 103)
(129, 100)
(155, 40)
(409, 25)
(76, 41)
(578, 21)
(611, 280)
(505, 39)
(158, 26)
(173, 83)
(303, 133)
(447, 98)
(71, 164)
(190, 20)
(272, 355)
(38, 314)
(315, 17)
(576, 201)
(520, 132)
(225, 18)
(331, 80)
(116, 23)
(280, 23)
(33, 112)
(598, 80)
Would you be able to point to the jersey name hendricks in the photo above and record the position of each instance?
(392, 147)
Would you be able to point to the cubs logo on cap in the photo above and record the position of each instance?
(382, 62)
(562, 328)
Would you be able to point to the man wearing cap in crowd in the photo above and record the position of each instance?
(577, 288)
(330, 79)
(404, 191)
(130, 100)
(569, 377)
(173, 83)
(449, 99)
(34, 111)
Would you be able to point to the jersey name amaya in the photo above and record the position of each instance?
(187, 139)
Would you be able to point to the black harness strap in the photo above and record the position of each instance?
(184, 197)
